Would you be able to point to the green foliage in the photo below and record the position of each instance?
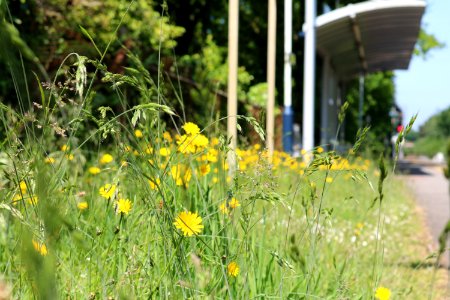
(378, 100)
(207, 73)
(433, 135)
(425, 43)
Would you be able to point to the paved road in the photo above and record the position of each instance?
(431, 189)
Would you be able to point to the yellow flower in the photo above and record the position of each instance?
(224, 208)
(123, 206)
(234, 203)
(191, 128)
(186, 144)
(319, 149)
(65, 148)
(189, 223)
(23, 186)
(94, 170)
(205, 169)
(200, 141)
(40, 247)
(383, 293)
(49, 160)
(329, 179)
(167, 136)
(181, 174)
(107, 191)
(233, 269)
(149, 150)
(154, 183)
(138, 133)
(164, 151)
(16, 198)
(82, 205)
(106, 158)
(212, 155)
(215, 179)
(33, 200)
(69, 156)
(215, 141)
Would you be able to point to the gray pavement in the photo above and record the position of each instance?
(431, 190)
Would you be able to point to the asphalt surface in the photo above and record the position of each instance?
(431, 189)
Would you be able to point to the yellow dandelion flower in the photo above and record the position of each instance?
(164, 151)
(94, 170)
(181, 174)
(82, 205)
(191, 128)
(107, 191)
(16, 198)
(167, 136)
(256, 147)
(224, 208)
(186, 144)
(123, 206)
(233, 269)
(200, 141)
(319, 149)
(383, 293)
(149, 150)
(33, 200)
(138, 133)
(40, 248)
(234, 203)
(189, 223)
(215, 141)
(215, 179)
(69, 156)
(23, 186)
(106, 158)
(49, 160)
(154, 183)
(205, 169)
(65, 148)
(303, 152)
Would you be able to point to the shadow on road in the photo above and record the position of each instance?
(407, 168)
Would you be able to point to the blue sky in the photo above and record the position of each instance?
(425, 86)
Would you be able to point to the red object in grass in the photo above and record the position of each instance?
(399, 128)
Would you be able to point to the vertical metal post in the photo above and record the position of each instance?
(288, 114)
(361, 100)
(271, 56)
(233, 24)
(326, 94)
(309, 74)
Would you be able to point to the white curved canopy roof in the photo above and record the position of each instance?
(371, 36)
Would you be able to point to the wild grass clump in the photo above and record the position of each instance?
(137, 202)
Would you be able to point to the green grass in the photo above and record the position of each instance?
(290, 238)
(297, 234)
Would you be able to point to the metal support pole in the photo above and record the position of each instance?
(288, 114)
(309, 75)
(233, 24)
(271, 56)
(361, 100)
(326, 94)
